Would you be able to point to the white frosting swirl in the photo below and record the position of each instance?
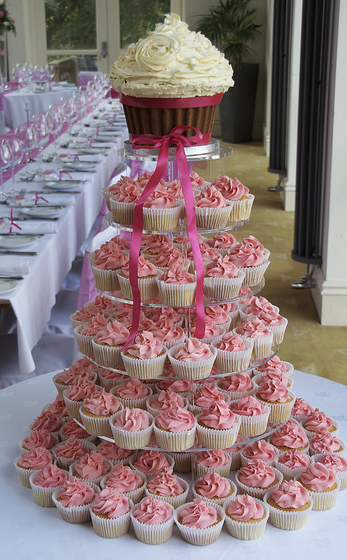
(172, 62)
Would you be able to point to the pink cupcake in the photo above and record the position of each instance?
(161, 211)
(217, 427)
(214, 489)
(321, 484)
(177, 287)
(34, 460)
(259, 449)
(68, 451)
(147, 273)
(211, 209)
(290, 436)
(110, 514)
(233, 353)
(114, 454)
(325, 442)
(218, 315)
(192, 361)
(246, 517)
(289, 505)
(126, 481)
(222, 279)
(75, 394)
(255, 478)
(275, 364)
(250, 257)
(122, 203)
(275, 323)
(91, 467)
(214, 460)
(168, 487)
(237, 195)
(150, 461)
(168, 334)
(132, 393)
(260, 335)
(317, 420)
(108, 343)
(275, 393)
(72, 429)
(199, 523)
(164, 400)
(105, 266)
(96, 412)
(85, 333)
(145, 357)
(237, 386)
(253, 415)
(169, 257)
(223, 242)
(336, 464)
(205, 396)
(73, 500)
(301, 409)
(44, 482)
(152, 521)
(132, 428)
(292, 463)
(255, 307)
(38, 438)
(175, 429)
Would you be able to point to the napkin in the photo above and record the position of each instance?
(14, 266)
(32, 226)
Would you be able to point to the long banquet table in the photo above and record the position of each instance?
(29, 531)
(34, 296)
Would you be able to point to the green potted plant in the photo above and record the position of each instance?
(231, 26)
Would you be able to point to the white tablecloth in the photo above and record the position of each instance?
(34, 296)
(31, 532)
(14, 103)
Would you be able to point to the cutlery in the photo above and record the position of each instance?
(11, 278)
(18, 253)
(15, 219)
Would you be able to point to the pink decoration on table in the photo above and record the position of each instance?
(37, 198)
(13, 224)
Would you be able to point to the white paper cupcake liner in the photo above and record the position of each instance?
(156, 412)
(105, 355)
(176, 295)
(148, 475)
(73, 407)
(73, 321)
(175, 441)
(134, 495)
(147, 286)
(230, 362)
(280, 412)
(97, 425)
(105, 279)
(241, 209)
(131, 440)
(258, 492)
(144, 369)
(133, 403)
(247, 531)
(261, 345)
(212, 218)
(83, 341)
(253, 426)
(200, 537)
(254, 274)
(75, 514)
(122, 212)
(323, 501)
(161, 219)
(183, 461)
(222, 470)
(216, 439)
(43, 495)
(223, 288)
(287, 520)
(153, 534)
(191, 370)
(174, 501)
(110, 528)
(216, 501)
(66, 462)
(278, 331)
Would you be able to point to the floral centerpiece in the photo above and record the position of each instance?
(7, 24)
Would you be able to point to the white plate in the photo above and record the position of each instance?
(17, 241)
(93, 150)
(81, 165)
(7, 285)
(42, 211)
(64, 185)
(108, 139)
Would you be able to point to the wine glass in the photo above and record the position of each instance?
(57, 119)
(28, 136)
(70, 113)
(17, 153)
(5, 163)
(42, 125)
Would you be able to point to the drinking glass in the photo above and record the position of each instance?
(42, 125)
(57, 119)
(5, 163)
(28, 136)
(17, 153)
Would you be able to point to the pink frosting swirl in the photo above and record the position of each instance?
(274, 375)
(214, 458)
(193, 351)
(75, 492)
(175, 189)
(129, 192)
(67, 376)
(165, 484)
(217, 314)
(274, 364)
(198, 515)
(47, 421)
(113, 334)
(58, 406)
(166, 332)
(247, 406)
(260, 450)
(244, 508)
(101, 403)
(145, 346)
(132, 389)
(290, 495)
(78, 392)
(143, 179)
(207, 252)
(294, 459)
(91, 465)
(123, 181)
(218, 416)
(39, 438)
(36, 459)
(50, 477)
(176, 419)
(132, 420)
(246, 255)
(238, 382)
(211, 330)
(231, 189)
(318, 477)
(222, 240)
(111, 451)
(207, 394)
(333, 462)
(258, 305)
(151, 461)
(212, 485)
(221, 267)
(179, 386)
(196, 180)
(166, 400)
(210, 197)
(96, 323)
(160, 198)
(254, 328)
(169, 257)
(257, 474)
(105, 260)
(317, 420)
(71, 429)
(273, 390)
(301, 407)
(177, 275)
(144, 268)
(271, 318)
(152, 512)
(290, 435)
(110, 503)
(71, 448)
(123, 479)
(323, 442)
(231, 343)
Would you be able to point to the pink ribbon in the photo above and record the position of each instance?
(37, 198)
(12, 223)
(97, 131)
(61, 173)
(150, 141)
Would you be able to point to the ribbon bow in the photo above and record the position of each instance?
(37, 198)
(12, 223)
(150, 141)
(61, 173)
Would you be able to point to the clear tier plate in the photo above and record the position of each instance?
(213, 150)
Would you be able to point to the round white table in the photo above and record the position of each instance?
(29, 531)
